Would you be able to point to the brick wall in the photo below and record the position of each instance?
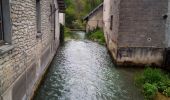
(22, 66)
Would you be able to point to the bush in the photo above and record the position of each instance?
(153, 75)
(96, 35)
(161, 86)
(149, 76)
(167, 92)
(151, 79)
(150, 90)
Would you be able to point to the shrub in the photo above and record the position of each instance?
(151, 80)
(167, 92)
(161, 86)
(153, 75)
(96, 35)
(149, 76)
(150, 90)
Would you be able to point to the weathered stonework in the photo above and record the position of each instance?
(94, 19)
(138, 30)
(22, 67)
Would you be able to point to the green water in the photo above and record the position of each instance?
(83, 70)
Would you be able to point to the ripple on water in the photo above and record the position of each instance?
(83, 70)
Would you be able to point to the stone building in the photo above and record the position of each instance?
(29, 38)
(135, 30)
(94, 19)
(62, 18)
(167, 38)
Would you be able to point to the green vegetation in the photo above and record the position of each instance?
(152, 81)
(68, 34)
(150, 90)
(76, 10)
(96, 35)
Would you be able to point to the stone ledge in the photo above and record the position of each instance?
(5, 48)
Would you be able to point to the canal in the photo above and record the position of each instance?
(83, 70)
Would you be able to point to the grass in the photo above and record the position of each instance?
(96, 35)
(153, 80)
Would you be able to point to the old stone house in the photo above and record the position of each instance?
(29, 38)
(94, 19)
(62, 18)
(137, 31)
(167, 38)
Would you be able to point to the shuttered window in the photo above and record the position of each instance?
(1, 24)
(38, 15)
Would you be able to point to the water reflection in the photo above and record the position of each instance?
(83, 70)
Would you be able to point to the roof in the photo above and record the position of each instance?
(61, 5)
(93, 11)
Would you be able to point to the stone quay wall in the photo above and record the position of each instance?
(22, 67)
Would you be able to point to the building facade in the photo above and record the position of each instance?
(135, 30)
(29, 38)
(94, 19)
(62, 18)
(167, 37)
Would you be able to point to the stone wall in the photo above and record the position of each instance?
(138, 26)
(95, 20)
(167, 37)
(111, 8)
(62, 18)
(142, 23)
(168, 27)
(24, 65)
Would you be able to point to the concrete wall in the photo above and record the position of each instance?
(139, 56)
(22, 67)
(138, 26)
(95, 20)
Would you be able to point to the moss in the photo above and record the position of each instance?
(96, 35)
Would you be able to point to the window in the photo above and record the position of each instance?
(52, 19)
(38, 16)
(111, 22)
(1, 24)
(5, 22)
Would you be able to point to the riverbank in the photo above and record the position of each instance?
(154, 83)
(96, 35)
